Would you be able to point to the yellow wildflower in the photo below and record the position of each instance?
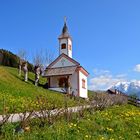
(75, 125)
(110, 129)
(102, 138)
(71, 123)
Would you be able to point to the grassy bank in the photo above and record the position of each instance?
(17, 95)
(117, 122)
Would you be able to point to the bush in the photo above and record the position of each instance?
(103, 100)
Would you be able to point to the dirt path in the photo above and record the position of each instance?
(20, 116)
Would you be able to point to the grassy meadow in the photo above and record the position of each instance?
(17, 95)
(113, 123)
(118, 121)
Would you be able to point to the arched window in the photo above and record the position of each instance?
(63, 46)
(83, 83)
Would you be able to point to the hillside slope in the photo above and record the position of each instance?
(7, 58)
(15, 93)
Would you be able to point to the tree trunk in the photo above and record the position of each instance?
(36, 79)
(26, 76)
(25, 69)
(37, 74)
(19, 70)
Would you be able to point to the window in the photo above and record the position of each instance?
(69, 47)
(83, 83)
(63, 46)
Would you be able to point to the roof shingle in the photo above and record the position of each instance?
(60, 71)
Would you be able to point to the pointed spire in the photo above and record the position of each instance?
(65, 19)
(65, 32)
(65, 28)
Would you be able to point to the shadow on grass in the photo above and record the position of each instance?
(32, 81)
(39, 85)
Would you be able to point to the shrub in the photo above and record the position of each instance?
(103, 100)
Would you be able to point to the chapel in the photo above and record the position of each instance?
(65, 73)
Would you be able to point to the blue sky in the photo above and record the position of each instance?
(106, 34)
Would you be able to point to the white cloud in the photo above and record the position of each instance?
(121, 75)
(137, 68)
(99, 72)
(103, 80)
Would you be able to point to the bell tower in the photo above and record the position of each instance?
(65, 41)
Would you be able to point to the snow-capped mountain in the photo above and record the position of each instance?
(128, 87)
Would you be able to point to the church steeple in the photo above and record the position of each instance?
(65, 41)
(65, 28)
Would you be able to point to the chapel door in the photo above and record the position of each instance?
(63, 82)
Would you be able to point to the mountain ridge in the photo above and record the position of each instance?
(129, 88)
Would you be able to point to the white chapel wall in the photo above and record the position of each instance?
(70, 51)
(63, 41)
(83, 91)
(66, 51)
(74, 83)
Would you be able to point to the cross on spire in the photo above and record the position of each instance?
(65, 19)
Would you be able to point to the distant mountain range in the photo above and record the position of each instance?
(130, 88)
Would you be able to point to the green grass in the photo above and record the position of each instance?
(15, 94)
(114, 123)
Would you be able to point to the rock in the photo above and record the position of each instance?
(18, 129)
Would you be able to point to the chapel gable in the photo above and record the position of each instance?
(63, 61)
